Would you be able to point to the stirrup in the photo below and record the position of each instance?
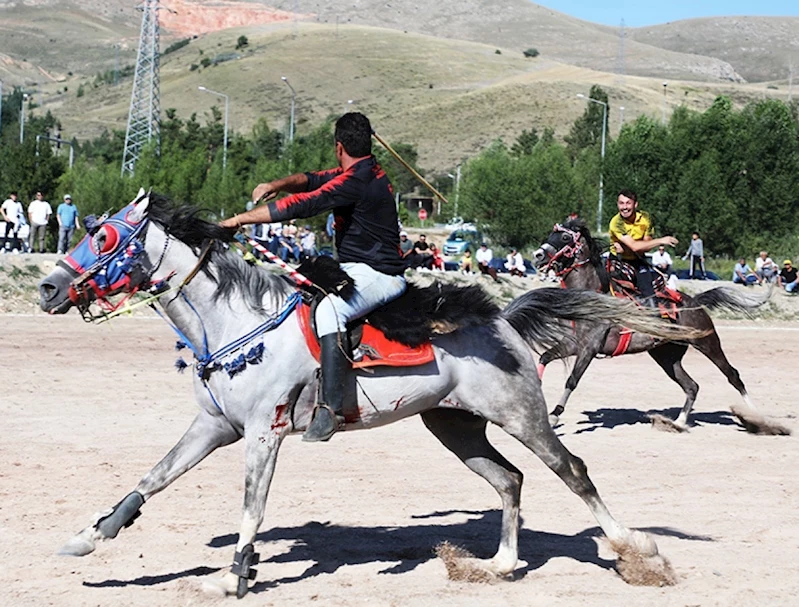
(325, 428)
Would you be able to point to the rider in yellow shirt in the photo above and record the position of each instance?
(631, 236)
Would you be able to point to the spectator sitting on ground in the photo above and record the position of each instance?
(787, 277)
(406, 246)
(484, 257)
(515, 264)
(438, 261)
(661, 260)
(743, 275)
(467, 262)
(423, 255)
(308, 242)
(765, 267)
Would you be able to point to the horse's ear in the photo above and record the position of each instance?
(140, 207)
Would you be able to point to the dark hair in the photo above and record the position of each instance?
(422, 236)
(354, 132)
(13, 193)
(692, 233)
(629, 194)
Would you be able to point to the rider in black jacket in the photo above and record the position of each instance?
(367, 240)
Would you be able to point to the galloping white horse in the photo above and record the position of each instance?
(255, 378)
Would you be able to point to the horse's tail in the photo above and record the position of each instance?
(731, 299)
(536, 316)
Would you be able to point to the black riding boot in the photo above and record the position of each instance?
(646, 286)
(329, 413)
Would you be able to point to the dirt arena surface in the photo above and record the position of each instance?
(87, 410)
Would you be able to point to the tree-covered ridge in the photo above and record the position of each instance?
(730, 174)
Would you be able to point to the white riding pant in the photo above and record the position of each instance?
(372, 290)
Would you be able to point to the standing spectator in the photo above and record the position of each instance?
(696, 251)
(13, 213)
(515, 264)
(39, 212)
(67, 215)
(787, 277)
(743, 275)
(308, 242)
(484, 258)
(467, 262)
(765, 267)
(662, 260)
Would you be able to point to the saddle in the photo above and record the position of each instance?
(623, 284)
(369, 346)
(400, 333)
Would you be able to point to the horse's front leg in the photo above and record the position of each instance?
(263, 442)
(586, 346)
(206, 433)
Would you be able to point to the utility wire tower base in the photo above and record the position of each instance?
(144, 116)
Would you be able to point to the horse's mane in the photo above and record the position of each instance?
(183, 222)
(596, 246)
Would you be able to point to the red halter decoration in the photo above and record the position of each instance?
(569, 252)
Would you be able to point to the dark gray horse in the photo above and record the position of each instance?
(577, 258)
(256, 379)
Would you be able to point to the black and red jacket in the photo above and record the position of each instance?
(362, 200)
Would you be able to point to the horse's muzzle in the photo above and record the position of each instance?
(54, 292)
(542, 255)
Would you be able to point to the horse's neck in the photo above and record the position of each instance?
(584, 276)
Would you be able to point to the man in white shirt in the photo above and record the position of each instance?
(484, 256)
(662, 260)
(12, 211)
(765, 267)
(39, 211)
(515, 264)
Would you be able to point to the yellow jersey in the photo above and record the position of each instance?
(638, 229)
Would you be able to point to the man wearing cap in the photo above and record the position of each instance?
(787, 277)
(67, 215)
(367, 240)
(406, 245)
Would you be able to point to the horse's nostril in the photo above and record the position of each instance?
(47, 290)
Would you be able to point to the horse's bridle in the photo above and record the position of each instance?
(568, 252)
(126, 259)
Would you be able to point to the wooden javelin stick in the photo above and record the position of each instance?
(409, 167)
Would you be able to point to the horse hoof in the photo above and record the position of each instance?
(80, 545)
(639, 563)
(554, 420)
(462, 566)
(665, 424)
(226, 585)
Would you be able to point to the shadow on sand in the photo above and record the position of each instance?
(329, 547)
(611, 418)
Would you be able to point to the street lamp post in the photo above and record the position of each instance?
(621, 116)
(457, 179)
(291, 117)
(602, 161)
(665, 86)
(224, 138)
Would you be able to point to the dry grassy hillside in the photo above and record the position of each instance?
(451, 98)
(759, 48)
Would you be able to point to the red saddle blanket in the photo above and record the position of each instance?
(378, 350)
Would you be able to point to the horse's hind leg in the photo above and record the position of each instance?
(464, 435)
(205, 434)
(669, 356)
(750, 417)
(639, 562)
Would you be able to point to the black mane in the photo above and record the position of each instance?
(596, 247)
(183, 222)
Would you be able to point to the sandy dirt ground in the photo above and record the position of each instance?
(87, 410)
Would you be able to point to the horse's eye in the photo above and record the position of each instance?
(565, 237)
(105, 240)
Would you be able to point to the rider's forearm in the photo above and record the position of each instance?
(257, 215)
(291, 184)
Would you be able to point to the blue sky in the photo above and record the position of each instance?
(637, 13)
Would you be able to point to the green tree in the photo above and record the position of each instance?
(587, 129)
